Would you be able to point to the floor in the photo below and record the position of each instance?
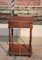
(36, 48)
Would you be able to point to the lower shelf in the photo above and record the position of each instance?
(20, 50)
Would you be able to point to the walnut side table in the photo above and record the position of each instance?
(20, 22)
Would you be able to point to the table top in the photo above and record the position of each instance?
(28, 19)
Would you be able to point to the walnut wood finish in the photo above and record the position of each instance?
(20, 22)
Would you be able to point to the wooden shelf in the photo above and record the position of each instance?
(20, 50)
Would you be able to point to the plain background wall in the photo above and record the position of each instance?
(36, 32)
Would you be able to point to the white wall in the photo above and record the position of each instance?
(36, 32)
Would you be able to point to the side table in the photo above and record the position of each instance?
(20, 22)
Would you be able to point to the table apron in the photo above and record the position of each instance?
(20, 25)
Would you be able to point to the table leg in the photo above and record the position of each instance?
(9, 40)
(12, 35)
(30, 46)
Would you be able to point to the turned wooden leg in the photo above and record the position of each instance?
(30, 46)
(9, 40)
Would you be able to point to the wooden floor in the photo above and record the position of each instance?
(36, 45)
